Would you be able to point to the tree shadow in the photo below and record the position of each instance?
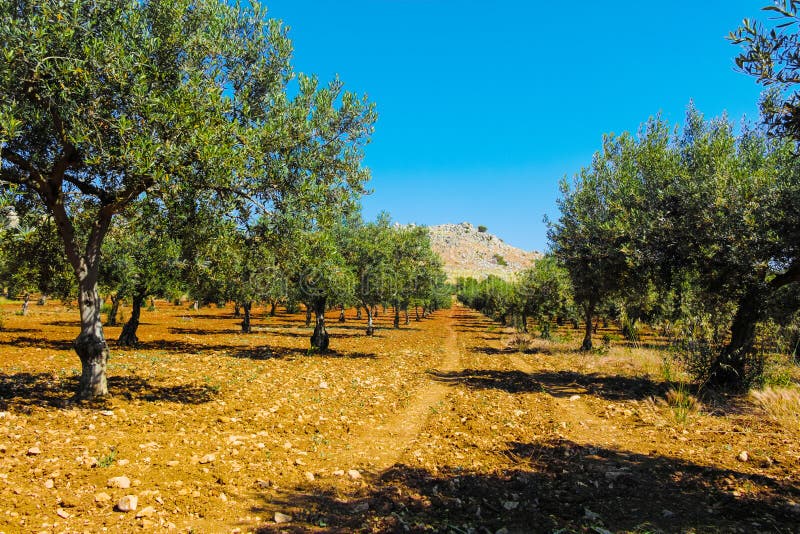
(203, 331)
(271, 353)
(609, 387)
(555, 485)
(22, 390)
(557, 384)
(184, 347)
(15, 330)
(39, 343)
(509, 381)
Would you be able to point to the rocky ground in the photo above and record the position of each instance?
(451, 424)
(465, 251)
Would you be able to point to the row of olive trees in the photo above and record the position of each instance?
(701, 217)
(542, 293)
(111, 108)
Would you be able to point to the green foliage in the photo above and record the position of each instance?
(482, 229)
(500, 260)
(693, 222)
(107, 103)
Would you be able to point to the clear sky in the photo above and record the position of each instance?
(484, 106)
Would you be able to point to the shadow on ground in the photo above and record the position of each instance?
(556, 485)
(557, 384)
(22, 390)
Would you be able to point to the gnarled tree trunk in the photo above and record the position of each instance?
(246, 327)
(128, 337)
(396, 315)
(358, 313)
(308, 315)
(112, 314)
(273, 308)
(728, 369)
(416, 313)
(341, 313)
(237, 310)
(320, 339)
(587, 337)
(370, 326)
(91, 343)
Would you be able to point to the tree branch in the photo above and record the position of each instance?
(88, 189)
(22, 164)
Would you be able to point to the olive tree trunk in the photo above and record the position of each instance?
(728, 369)
(246, 326)
(587, 336)
(396, 315)
(320, 339)
(112, 314)
(128, 337)
(370, 325)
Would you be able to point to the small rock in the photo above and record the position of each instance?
(172, 463)
(574, 398)
(147, 511)
(33, 451)
(106, 412)
(102, 497)
(743, 456)
(62, 514)
(298, 461)
(361, 507)
(282, 518)
(338, 473)
(667, 513)
(208, 458)
(123, 462)
(323, 385)
(309, 476)
(49, 483)
(510, 505)
(591, 516)
(354, 474)
(122, 482)
(128, 503)
(223, 497)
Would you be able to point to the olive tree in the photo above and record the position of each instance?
(105, 101)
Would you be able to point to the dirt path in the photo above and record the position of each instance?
(578, 420)
(384, 445)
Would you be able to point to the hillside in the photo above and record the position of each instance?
(467, 252)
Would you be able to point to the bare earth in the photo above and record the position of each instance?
(438, 426)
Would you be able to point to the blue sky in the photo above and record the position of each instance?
(484, 106)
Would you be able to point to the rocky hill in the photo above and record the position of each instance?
(466, 251)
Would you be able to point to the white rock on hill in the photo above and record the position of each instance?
(465, 251)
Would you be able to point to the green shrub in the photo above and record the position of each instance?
(500, 260)
(482, 229)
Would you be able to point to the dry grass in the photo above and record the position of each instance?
(782, 404)
(678, 407)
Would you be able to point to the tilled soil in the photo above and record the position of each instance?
(439, 426)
